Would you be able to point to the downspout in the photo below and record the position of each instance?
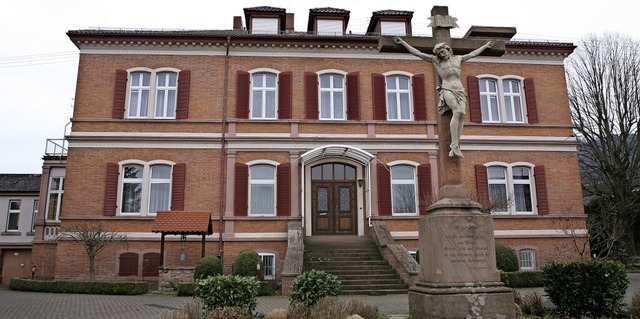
(223, 152)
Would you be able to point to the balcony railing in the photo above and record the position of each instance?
(56, 147)
(51, 232)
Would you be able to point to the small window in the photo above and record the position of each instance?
(415, 255)
(13, 217)
(56, 192)
(399, 98)
(403, 189)
(527, 259)
(152, 94)
(36, 205)
(145, 188)
(501, 100)
(263, 96)
(332, 97)
(393, 28)
(268, 266)
(262, 190)
(329, 27)
(510, 189)
(264, 25)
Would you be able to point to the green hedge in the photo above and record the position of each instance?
(81, 287)
(522, 279)
(218, 292)
(593, 289)
(506, 259)
(186, 289)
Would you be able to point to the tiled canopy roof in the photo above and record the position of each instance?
(177, 222)
(265, 9)
(329, 10)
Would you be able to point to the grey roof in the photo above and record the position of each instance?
(393, 13)
(20, 183)
(329, 10)
(265, 9)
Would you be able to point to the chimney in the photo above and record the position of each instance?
(289, 23)
(237, 23)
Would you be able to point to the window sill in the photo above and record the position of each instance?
(31, 233)
(11, 233)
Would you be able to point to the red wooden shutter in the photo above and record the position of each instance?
(475, 109)
(419, 98)
(283, 203)
(530, 97)
(353, 96)
(119, 94)
(241, 190)
(150, 264)
(541, 190)
(285, 91)
(128, 265)
(182, 100)
(424, 187)
(384, 190)
(242, 94)
(379, 97)
(178, 186)
(111, 189)
(482, 184)
(311, 95)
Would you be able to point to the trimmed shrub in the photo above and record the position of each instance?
(506, 259)
(522, 279)
(245, 264)
(220, 292)
(207, 266)
(81, 287)
(595, 288)
(313, 285)
(186, 289)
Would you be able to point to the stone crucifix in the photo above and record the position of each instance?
(448, 55)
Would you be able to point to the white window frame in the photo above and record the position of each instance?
(330, 27)
(397, 182)
(272, 182)
(500, 97)
(153, 90)
(145, 181)
(527, 259)
(398, 28)
(59, 195)
(167, 109)
(265, 25)
(13, 211)
(414, 255)
(268, 268)
(36, 207)
(264, 89)
(397, 93)
(332, 95)
(510, 183)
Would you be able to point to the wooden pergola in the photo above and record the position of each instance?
(182, 223)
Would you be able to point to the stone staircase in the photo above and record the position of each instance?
(356, 261)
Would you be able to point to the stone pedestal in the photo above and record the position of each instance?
(458, 275)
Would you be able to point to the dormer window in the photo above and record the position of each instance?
(264, 25)
(393, 28)
(330, 27)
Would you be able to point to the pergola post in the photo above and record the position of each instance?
(162, 249)
(203, 243)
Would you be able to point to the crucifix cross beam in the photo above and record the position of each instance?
(446, 55)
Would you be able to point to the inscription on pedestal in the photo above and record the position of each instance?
(468, 248)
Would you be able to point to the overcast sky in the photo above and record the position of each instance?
(38, 63)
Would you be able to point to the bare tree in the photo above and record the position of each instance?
(603, 78)
(94, 238)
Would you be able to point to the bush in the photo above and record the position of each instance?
(220, 292)
(312, 286)
(506, 259)
(207, 266)
(531, 305)
(245, 264)
(186, 289)
(522, 279)
(595, 288)
(81, 287)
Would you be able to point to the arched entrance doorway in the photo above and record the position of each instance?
(333, 199)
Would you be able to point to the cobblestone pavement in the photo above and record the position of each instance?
(32, 305)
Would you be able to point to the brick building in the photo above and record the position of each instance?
(262, 125)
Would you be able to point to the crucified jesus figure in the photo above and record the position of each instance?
(451, 92)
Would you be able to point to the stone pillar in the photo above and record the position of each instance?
(458, 275)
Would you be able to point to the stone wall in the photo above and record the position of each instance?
(169, 278)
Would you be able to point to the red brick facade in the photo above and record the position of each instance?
(215, 134)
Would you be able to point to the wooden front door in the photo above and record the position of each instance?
(334, 200)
